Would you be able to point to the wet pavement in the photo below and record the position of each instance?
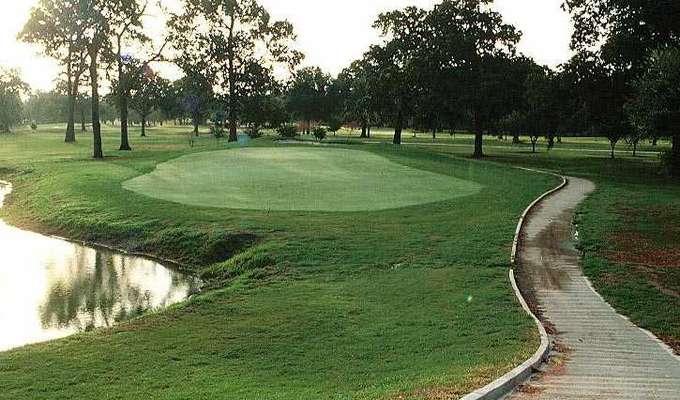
(599, 354)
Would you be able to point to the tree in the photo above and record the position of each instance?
(542, 117)
(474, 51)
(658, 104)
(620, 36)
(225, 40)
(194, 94)
(393, 66)
(264, 110)
(146, 96)
(169, 100)
(127, 31)
(59, 27)
(308, 96)
(11, 89)
(357, 97)
(46, 107)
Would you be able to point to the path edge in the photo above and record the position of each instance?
(508, 382)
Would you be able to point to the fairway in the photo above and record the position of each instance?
(296, 179)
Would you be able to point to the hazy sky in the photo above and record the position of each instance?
(332, 33)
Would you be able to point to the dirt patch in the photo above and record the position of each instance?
(634, 248)
(477, 378)
(673, 342)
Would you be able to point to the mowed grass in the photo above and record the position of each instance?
(297, 179)
(392, 303)
(629, 231)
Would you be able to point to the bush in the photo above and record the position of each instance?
(34, 126)
(334, 125)
(671, 163)
(254, 133)
(288, 131)
(217, 131)
(320, 133)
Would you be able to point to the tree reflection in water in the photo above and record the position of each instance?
(101, 288)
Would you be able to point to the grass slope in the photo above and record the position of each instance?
(296, 179)
(365, 305)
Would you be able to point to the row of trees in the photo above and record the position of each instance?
(453, 67)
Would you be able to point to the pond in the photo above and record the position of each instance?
(52, 288)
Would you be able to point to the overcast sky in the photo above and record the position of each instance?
(332, 33)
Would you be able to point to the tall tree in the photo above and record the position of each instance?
(473, 45)
(658, 102)
(127, 29)
(194, 94)
(615, 38)
(128, 32)
(395, 63)
(355, 88)
(225, 40)
(146, 96)
(11, 89)
(308, 95)
(59, 27)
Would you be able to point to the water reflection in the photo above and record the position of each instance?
(51, 288)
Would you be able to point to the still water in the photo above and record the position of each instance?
(51, 288)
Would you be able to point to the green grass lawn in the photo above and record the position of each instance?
(297, 179)
(629, 230)
(392, 303)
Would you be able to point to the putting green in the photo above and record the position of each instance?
(296, 179)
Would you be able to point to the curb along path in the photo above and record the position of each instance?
(604, 355)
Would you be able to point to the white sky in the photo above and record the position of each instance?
(332, 33)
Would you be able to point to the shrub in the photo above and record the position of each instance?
(254, 133)
(320, 133)
(34, 126)
(217, 131)
(334, 125)
(671, 163)
(287, 131)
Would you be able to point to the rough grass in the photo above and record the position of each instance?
(364, 305)
(296, 179)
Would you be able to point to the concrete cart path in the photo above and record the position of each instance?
(604, 355)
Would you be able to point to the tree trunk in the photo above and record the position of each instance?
(143, 126)
(98, 153)
(124, 134)
(71, 124)
(675, 156)
(364, 130)
(515, 139)
(612, 145)
(233, 130)
(479, 137)
(368, 131)
(635, 144)
(195, 122)
(398, 128)
(83, 126)
(533, 145)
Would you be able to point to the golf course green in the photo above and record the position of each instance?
(296, 179)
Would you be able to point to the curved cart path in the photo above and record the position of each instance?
(603, 355)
